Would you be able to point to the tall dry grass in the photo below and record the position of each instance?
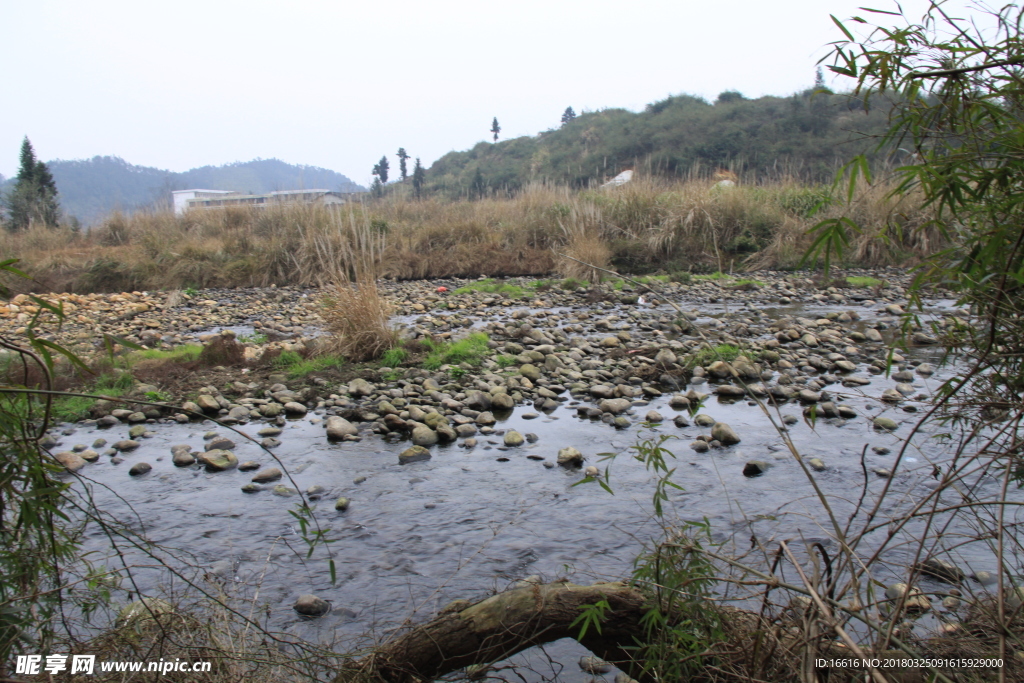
(645, 225)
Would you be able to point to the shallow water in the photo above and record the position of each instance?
(466, 523)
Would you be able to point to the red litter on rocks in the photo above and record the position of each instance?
(442, 290)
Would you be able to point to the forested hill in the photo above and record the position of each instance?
(804, 136)
(89, 189)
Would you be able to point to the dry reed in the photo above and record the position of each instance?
(646, 225)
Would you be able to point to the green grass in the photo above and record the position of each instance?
(650, 279)
(74, 408)
(392, 358)
(469, 350)
(543, 284)
(492, 287)
(713, 276)
(186, 353)
(571, 283)
(296, 366)
(864, 281)
(706, 355)
(748, 282)
(254, 338)
(505, 361)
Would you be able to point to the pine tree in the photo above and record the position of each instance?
(402, 168)
(34, 196)
(380, 169)
(568, 115)
(495, 128)
(419, 174)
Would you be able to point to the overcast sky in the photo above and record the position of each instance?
(337, 84)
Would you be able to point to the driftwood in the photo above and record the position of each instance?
(499, 627)
(468, 634)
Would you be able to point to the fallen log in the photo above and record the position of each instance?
(502, 625)
(468, 634)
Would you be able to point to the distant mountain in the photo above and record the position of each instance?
(90, 189)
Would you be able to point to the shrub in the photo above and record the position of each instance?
(357, 319)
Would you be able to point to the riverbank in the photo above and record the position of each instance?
(450, 481)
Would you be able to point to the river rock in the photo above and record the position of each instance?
(140, 468)
(341, 505)
(422, 435)
(570, 456)
(311, 606)
(941, 570)
(125, 445)
(513, 438)
(530, 371)
(720, 431)
(338, 428)
(594, 665)
(502, 401)
(295, 409)
(183, 458)
(219, 461)
(142, 610)
(72, 462)
(268, 475)
(755, 468)
(885, 423)
(817, 464)
(478, 400)
(704, 420)
(653, 416)
(679, 402)
(665, 357)
(207, 404)
(137, 431)
(808, 396)
(359, 387)
(271, 409)
(699, 445)
(413, 454)
(914, 599)
(219, 442)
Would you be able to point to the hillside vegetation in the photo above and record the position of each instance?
(805, 136)
(91, 189)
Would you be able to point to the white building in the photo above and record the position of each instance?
(182, 197)
(213, 199)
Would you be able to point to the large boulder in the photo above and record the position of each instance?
(570, 456)
(724, 434)
(614, 406)
(219, 460)
(338, 428)
(422, 435)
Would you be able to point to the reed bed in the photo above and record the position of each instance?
(645, 226)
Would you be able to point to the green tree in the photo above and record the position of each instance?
(33, 198)
(380, 169)
(568, 115)
(419, 175)
(958, 88)
(495, 128)
(478, 188)
(402, 168)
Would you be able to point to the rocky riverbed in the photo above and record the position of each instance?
(461, 480)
